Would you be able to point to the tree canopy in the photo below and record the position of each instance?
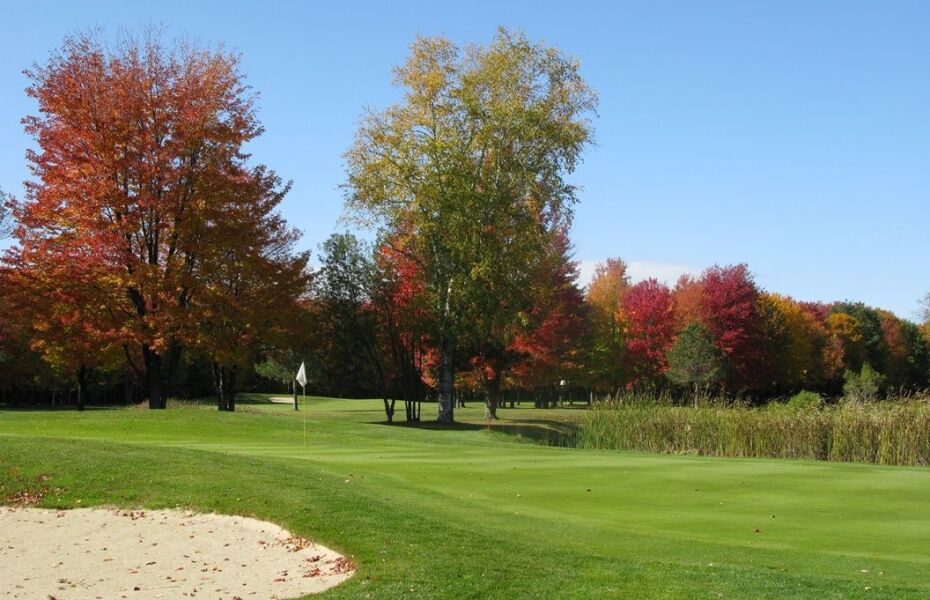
(143, 200)
(467, 177)
(694, 361)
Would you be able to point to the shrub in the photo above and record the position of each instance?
(805, 399)
(863, 386)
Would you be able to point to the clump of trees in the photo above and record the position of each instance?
(771, 345)
(466, 178)
(716, 335)
(145, 233)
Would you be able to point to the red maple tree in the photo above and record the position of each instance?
(648, 310)
(139, 151)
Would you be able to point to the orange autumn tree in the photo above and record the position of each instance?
(796, 340)
(65, 312)
(845, 348)
(253, 287)
(689, 298)
(549, 347)
(22, 370)
(138, 145)
(606, 361)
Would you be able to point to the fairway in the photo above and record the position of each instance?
(472, 513)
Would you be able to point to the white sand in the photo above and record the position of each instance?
(110, 553)
(282, 399)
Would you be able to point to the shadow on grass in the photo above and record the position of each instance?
(36, 408)
(547, 432)
(243, 398)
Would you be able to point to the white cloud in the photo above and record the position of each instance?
(639, 270)
(667, 273)
(586, 271)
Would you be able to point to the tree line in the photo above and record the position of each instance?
(150, 256)
(716, 334)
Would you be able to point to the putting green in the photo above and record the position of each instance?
(473, 513)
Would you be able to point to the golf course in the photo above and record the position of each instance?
(465, 511)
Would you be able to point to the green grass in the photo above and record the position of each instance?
(472, 513)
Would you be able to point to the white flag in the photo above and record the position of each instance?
(302, 375)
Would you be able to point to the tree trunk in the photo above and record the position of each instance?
(218, 385)
(389, 409)
(490, 408)
(153, 375)
(446, 378)
(81, 386)
(224, 379)
(156, 399)
(491, 399)
(127, 390)
(230, 388)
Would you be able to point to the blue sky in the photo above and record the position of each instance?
(794, 136)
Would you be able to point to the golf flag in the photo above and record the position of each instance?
(301, 378)
(302, 375)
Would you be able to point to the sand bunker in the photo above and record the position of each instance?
(147, 554)
(281, 399)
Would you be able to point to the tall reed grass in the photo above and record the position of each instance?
(887, 433)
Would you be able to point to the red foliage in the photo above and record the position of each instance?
(648, 311)
(140, 190)
(400, 307)
(730, 310)
(557, 322)
(688, 301)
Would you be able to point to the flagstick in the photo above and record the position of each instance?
(301, 378)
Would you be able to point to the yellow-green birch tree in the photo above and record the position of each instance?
(468, 176)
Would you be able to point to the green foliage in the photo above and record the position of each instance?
(694, 360)
(917, 358)
(885, 433)
(468, 177)
(342, 331)
(273, 370)
(805, 399)
(346, 274)
(864, 386)
(870, 328)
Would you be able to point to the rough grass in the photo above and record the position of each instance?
(889, 433)
(468, 513)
